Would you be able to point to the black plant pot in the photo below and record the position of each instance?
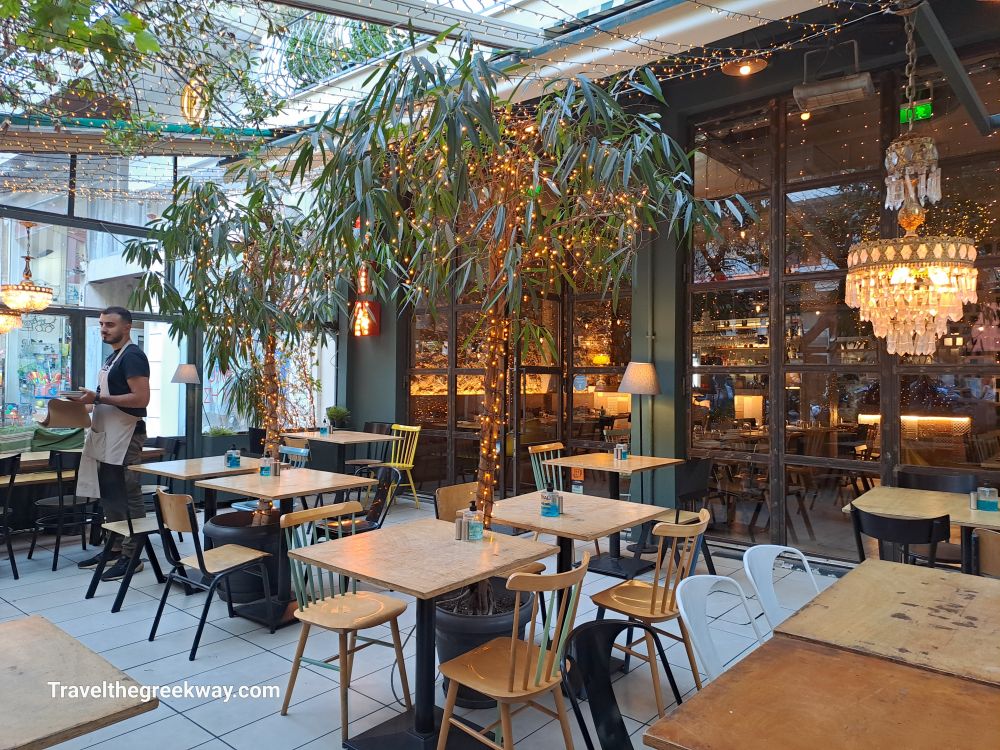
(457, 634)
(236, 528)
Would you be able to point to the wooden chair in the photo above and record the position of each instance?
(404, 453)
(376, 451)
(139, 529)
(545, 474)
(324, 601)
(176, 513)
(510, 670)
(986, 553)
(8, 470)
(929, 532)
(653, 603)
(65, 509)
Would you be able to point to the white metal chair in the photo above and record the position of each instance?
(692, 600)
(758, 562)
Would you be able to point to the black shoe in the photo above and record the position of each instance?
(117, 570)
(94, 561)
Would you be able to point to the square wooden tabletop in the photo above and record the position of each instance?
(423, 558)
(343, 437)
(607, 462)
(796, 695)
(584, 517)
(903, 502)
(291, 483)
(35, 653)
(933, 619)
(198, 468)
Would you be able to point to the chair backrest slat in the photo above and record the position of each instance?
(306, 527)
(555, 628)
(938, 481)
(986, 552)
(404, 451)
(543, 473)
(678, 555)
(758, 564)
(902, 531)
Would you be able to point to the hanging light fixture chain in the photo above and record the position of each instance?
(911, 68)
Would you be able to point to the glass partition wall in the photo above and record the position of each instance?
(791, 395)
(561, 388)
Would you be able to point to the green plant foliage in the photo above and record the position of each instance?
(337, 414)
(220, 432)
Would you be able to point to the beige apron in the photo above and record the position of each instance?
(107, 440)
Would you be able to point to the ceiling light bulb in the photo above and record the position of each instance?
(745, 69)
(805, 116)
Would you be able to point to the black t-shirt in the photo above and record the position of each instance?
(131, 364)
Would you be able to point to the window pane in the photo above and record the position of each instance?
(733, 156)
(216, 413)
(815, 520)
(540, 407)
(830, 414)
(429, 401)
(948, 419)
(950, 126)
(834, 141)
(430, 469)
(739, 251)
(730, 328)
(730, 412)
(744, 514)
(822, 224)
(430, 340)
(821, 329)
(542, 349)
(602, 333)
(127, 190)
(969, 205)
(597, 406)
(470, 341)
(469, 404)
(39, 181)
(37, 367)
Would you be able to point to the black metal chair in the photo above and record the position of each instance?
(377, 452)
(65, 509)
(902, 531)
(171, 447)
(388, 480)
(691, 483)
(8, 470)
(176, 513)
(947, 553)
(587, 665)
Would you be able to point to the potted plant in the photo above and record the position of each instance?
(436, 184)
(337, 416)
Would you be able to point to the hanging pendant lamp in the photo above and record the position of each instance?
(27, 296)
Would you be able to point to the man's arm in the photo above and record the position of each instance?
(137, 399)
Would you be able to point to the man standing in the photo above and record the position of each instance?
(117, 435)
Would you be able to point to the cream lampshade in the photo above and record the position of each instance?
(186, 374)
(640, 380)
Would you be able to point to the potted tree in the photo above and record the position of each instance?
(337, 416)
(435, 183)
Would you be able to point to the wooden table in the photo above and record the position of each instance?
(796, 695)
(343, 438)
(34, 653)
(423, 559)
(933, 619)
(613, 564)
(193, 469)
(39, 460)
(283, 489)
(584, 518)
(901, 502)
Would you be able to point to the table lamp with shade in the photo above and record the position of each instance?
(187, 374)
(640, 380)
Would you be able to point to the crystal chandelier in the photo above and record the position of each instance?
(9, 320)
(909, 288)
(26, 296)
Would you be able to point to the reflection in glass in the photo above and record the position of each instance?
(730, 412)
(829, 414)
(821, 329)
(430, 467)
(951, 128)
(470, 340)
(834, 140)
(730, 328)
(469, 404)
(949, 420)
(36, 367)
(969, 205)
(597, 406)
(430, 340)
(814, 519)
(602, 333)
(823, 223)
(540, 341)
(128, 190)
(733, 156)
(743, 513)
(38, 181)
(429, 401)
(738, 251)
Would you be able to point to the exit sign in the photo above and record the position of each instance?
(920, 111)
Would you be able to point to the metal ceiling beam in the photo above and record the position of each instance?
(430, 18)
(934, 38)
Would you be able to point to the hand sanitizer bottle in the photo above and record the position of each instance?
(475, 523)
(550, 506)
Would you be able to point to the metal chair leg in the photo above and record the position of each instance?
(267, 597)
(99, 570)
(133, 562)
(153, 561)
(159, 610)
(204, 617)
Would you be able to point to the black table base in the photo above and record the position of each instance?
(398, 734)
(612, 563)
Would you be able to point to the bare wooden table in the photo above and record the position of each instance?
(343, 438)
(423, 559)
(34, 654)
(797, 695)
(613, 564)
(902, 502)
(193, 469)
(584, 518)
(933, 619)
(283, 489)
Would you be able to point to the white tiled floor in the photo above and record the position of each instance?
(238, 652)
